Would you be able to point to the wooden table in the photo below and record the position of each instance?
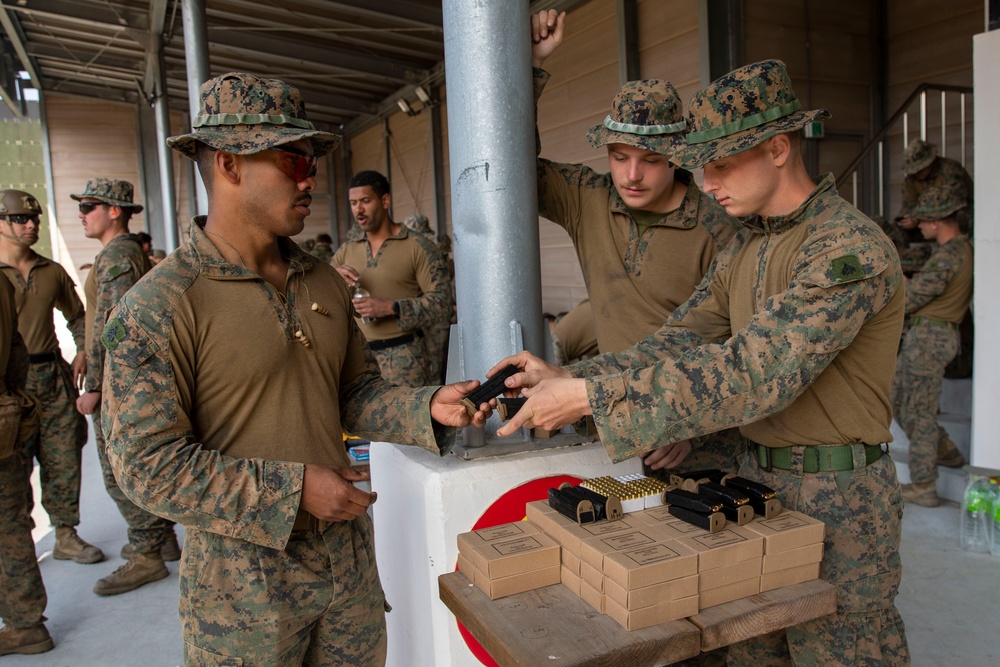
(552, 626)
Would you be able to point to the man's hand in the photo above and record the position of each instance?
(533, 371)
(88, 403)
(546, 34)
(79, 369)
(668, 456)
(329, 495)
(371, 307)
(551, 405)
(906, 223)
(349, 274)
(447, 408)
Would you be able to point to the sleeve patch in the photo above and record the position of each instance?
(118, 270)
(114, 333)
(846, 268)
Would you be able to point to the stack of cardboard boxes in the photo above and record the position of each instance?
(508, 559)
(793, 549)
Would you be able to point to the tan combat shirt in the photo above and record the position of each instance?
(794, 340)
(48, 287)
(942, 289)
(13, 354)
(212, 406)
(408, 269)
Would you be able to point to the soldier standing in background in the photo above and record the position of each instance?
(644, 233)
(106, 207)
(40, 287)
(937, 298)
(436, 334)
(323, 248)
(793, 339)
(22, 593)
(279, 559)
(405, 277)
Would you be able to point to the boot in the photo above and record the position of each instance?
(924, 494)
(170, 550)
(140, 570)
(948, 455)
(25, 641)
(70, 546)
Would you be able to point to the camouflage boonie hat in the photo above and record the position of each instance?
(16, 202)
(645, 114)
(110, 191)
(918, 155)
(418, 223)
(740, 110)
(245, 114)
(939, 202)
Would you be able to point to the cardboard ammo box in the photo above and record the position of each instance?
(571, 561)
(466, 567)
(593, 550)
(794, 575)
(651, 564)
(570, 580)
(785, 560)
(788, 530)
(736, 591)
(592, 596)
(729, 575)
(500, 587)
(569, 534)
(637, 619)
(509, 549)
(727, 547)
(591, 576)
(675, 589)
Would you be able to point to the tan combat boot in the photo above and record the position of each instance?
(25, 641)
(170, 551)
(70, 546)
(141, 569)
(921, 494)
(948, 455)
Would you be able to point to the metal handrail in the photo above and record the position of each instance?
(877, 139)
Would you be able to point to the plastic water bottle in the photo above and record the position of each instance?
(360, 293)
(995, 523)
(977, 515)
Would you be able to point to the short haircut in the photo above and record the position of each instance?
(126, 215)
(144, 237)
(205, 159)
(372, 179)
(324, 238)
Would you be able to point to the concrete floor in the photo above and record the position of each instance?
(950, 600)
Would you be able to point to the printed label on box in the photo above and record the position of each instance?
(521, 545)
(501, 532)
(720, 539)
(652, 554)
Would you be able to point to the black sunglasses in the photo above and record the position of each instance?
(22, 218)
(298, 166)
(87, 207)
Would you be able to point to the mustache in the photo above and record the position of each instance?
(303, 199)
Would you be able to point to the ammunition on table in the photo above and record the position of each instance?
(508, 407)
(713, 523)
(695, 509)
(735, 504)
(605, 507)
(581, 511)
(488, 389)
(763, 499)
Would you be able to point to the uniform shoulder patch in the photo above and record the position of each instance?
(846, 268)
(119, 269)
(114, 333)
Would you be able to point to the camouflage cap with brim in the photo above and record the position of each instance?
(939, 202)
(244, 114)
(646, 114)
(110, 191)
(918, 155)
(741, 110)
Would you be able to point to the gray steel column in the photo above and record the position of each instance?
(198, 72)
(493, 190)
(162, 108)
(149, 173)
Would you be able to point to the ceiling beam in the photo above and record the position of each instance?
(91, 14)
(15, 34)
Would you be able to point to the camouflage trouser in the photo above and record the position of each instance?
(405, 365)
(22, 593)
(436, 342)
(927, 349)
(62, 435)
(145, 530)
(863, 511)
(319, 602)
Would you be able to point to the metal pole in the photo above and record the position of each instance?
(906, 130)
(50, 194)
(162, 108)
(198, 72)
(962, 124)
(493, 190)
(923, 115)
(944, 124)
(881, 179)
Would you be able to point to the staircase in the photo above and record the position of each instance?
(955, 416)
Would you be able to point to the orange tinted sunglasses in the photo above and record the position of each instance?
(296, 165)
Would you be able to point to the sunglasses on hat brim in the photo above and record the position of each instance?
(21, 218)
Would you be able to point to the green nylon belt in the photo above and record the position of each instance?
(828, 458)
(914, 321)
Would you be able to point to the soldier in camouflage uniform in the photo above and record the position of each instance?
(233, 370)
(792, 339)
(406, 278)
(936, 300)
(106, 207)
(22, 593)
(644, 233)
(40, 286)
(323, 248)
(436, 335)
